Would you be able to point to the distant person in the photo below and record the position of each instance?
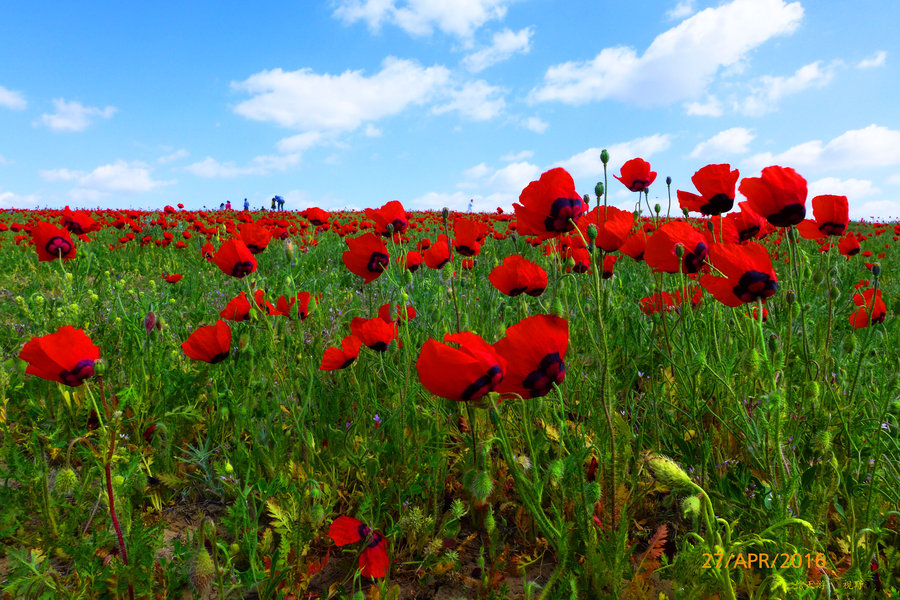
(471, 201)
(246, 204)
(228, 205)
(222, 206)
(273, 202)
(280, 202)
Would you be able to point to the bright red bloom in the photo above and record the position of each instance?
(849, 245)
(468, 235)
(716, 186)
(779, 195)
(285, 306)
(384, 312)
(78, 222)
(636, 175)
(174, 278)
(211, 343)
(263, 304)
(392, 214)
(52, 242)
(612, 231)
(256, 236)
(335, 359)
(237, 309)
(609, 262)
(207, 251)
(316, 216)
(373, 561)
(581, 258)
(463, 374)
(375, 334)
(535, 351)
(660, 252)
(747, 223)
(517, 275)
(67, 356)
(832, 214)
(635, 245)
(549, 206)
(367, 256)
(747, 274)
(438, 254)
(413, 260)
(235, 259)
(668, 302)
(869, 302)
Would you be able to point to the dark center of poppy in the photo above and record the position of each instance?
(218, 358)
(58, 246)
(242, 269)
(78, 373)
(693, 260)
(832, 228)
(639, 185)
(580, 267)
(348, 362)
(74, 227)
(465, 250)
(483, 385)
(748, 233)
(399, 225)
(754, 285)
(517, 291)
(789, 215)
(254, 249)
(563, 213)
(379, 346)
(535, 291)
(378, 261)
(550, 370)
(718, 204)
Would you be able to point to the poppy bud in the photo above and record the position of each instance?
(710, 226)
(99, 367)
(834, 292)
(289, 250)
(234, 550)
(390, 228)
(667, 472)
(570, 263)
(876, 269)
(150, 322)
(752, 361)
(489, 523)
(482, 486)
(66, 480)
(657, 208)
(592, 493)
(818, 277)
(773, 344)
(679, 250)
(811, 390)
(636, 213)
(822, 442)
(556, 471)
(668, 180)
(690, 506)
(316, 514)
(789, 296)
(202, 570)
(849, 344)
(598, 189)
(587, 200)
(592, 233)
(685, 212)
(558, 309)
(604, 156)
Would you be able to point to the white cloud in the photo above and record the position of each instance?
(502, 186)
(894, 179)
(73, 116)
(436, 201)
(459, 18)
(588, 163)
(173, 156)
(679, 64)
(731, 141)
(11, 200)
(872, 146)
(118, 177)
(300, 142)
(479, 171)
(852, 188)
(683, 9)
(475, 100)
(710, 108)
(876, 209)
(768, 90)
(372, 131)
(518, 156)
(311, 102)
(505, 43)
(12, 99)
(210, 168)
(535, 124)
(876, 60)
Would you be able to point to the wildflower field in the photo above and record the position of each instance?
(571, 401)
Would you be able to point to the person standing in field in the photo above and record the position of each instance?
(228, 205)
(273, 202)
(280, 202)
(246, 204)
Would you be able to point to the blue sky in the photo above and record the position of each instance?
(352, 103)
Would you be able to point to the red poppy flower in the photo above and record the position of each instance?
(439, 253)
(612, 230)
(747, 274)
(832, 214)
(316, 216)
(413, 260)
(392, 214)
(335, 359)
(78, 222)
(373, 561)
(747, 223)
(174, 278)
(635, 245)
(237, 309)
(211, 343)
(535, 351)
(636, 175)
(284, 306)
(463, 374)
(869, 302)
(367, 256)
(716, 186)
(207, 251)
(517, 275)
(52, 242)
(609, 262)
(235, 259)
(67, 356)
(849, 245)
(468, 235)
(668, 302)
(581, 260)
(661, 255)
(375, 334)
(256, 237)
(779, 195)
(384, 312)
(549, 206)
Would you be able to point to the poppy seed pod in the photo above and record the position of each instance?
(604, 156)
(598, 189)
(657, 208)
(445, 212)
(669, 180)
(592, 233)
(876, 269)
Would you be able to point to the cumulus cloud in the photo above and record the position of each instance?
(731, 141)
(501, 187)
(679, 64)
(474, 100)
(876, 60)
(12, 99)
(768, 90)
(459, 18)
(518, 156)
(73, 116)
(210, 168)
(118, 177)
(311, 102)
(683, 9)
(505, 43)
(852, 188)
(173, 156)
(11, 200)
(872, 146)
(711, 107)
(588, 163)
(535, 124)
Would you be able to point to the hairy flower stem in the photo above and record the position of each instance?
(795, 266)
(107, 468)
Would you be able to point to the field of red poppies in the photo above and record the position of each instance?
(697, 400)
